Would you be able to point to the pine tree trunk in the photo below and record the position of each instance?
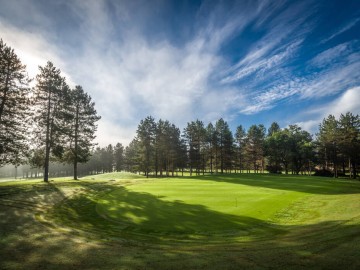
(47, 142)
(75, 170)
(350, 169)
(76, 142)
(353, 168)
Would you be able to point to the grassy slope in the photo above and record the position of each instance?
(314, 222)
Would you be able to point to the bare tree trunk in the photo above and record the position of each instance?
(47, 142)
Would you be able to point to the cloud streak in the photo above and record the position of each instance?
(341, 30)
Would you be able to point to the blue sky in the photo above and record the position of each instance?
(249, 62)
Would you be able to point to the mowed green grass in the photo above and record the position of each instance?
(229, 207)
(190, 207)
(235, 221)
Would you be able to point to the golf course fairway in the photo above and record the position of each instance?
(222, 221)
(226, 209)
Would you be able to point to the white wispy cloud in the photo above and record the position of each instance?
(347, 102)
(338, 65)
(280, 43)
(255, 63)
(333, 55)
(341, 30)
(327, 83)
(330, 82)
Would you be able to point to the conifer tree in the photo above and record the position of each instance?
(119, 157)
(328, 138)
(50, 100)
(195, 136)
(255, 146)
(349, 140)
(225, 143)
(82, 117)
(146, 138)
(240, 143)
(211, 145)
(14, 107)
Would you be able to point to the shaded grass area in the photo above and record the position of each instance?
(189, 210)
(58, 226)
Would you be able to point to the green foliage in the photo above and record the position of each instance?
(14, 107)
(292, 148)
(254, 147)
(240, 138)
(339, 143)
(146, 134)
(51, 98)
(224, 144)
(195, 138)
(119, 157)
(81, 127)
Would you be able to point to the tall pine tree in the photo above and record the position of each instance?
(119, 153)
(146, 134)
(349, 140)
(14, 106)
(51, 100)
(82, 117)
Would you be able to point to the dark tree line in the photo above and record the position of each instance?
(159, 148)
(49, 122)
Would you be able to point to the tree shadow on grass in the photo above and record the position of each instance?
(27, 244)
(306, 184)
(147, 213)
(123, 213)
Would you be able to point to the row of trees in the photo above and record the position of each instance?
(160, 148)
(47, 122)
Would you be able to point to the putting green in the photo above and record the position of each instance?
(193, 208)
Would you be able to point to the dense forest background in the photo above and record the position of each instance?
(48, 130)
